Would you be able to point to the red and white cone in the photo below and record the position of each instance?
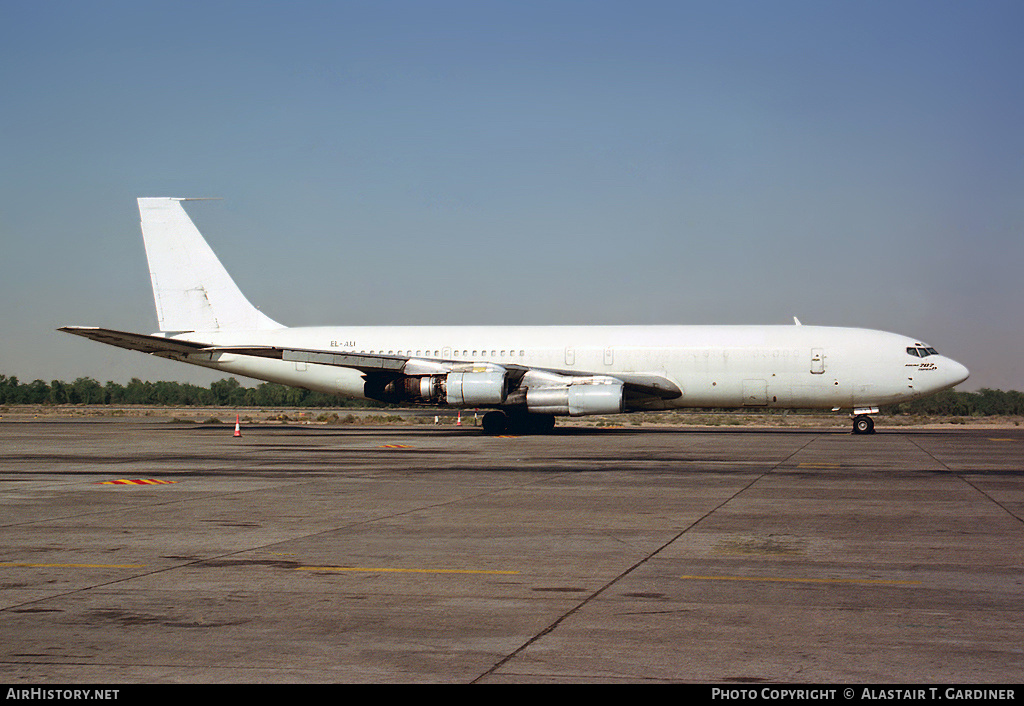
(458, 422)
(238, 429)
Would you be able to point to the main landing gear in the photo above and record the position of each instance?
(863, 424)
(498, 422)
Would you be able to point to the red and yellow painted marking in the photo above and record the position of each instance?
(395, 446)
(138, 481)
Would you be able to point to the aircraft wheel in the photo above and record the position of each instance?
(863, 424)
(495, 422)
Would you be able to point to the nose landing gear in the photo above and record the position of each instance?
(863, 424)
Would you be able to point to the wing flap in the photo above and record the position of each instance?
(357, 361)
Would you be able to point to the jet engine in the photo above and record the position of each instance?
(596, 396)
(457, 389)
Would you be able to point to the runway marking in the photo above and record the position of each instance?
(991, 439)
(138, 481)
(70, 566)
(395, 446)
(782, 579)
(506, 436)
(366, 569)
(817, 465)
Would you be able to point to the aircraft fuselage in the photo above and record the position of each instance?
(815, 367)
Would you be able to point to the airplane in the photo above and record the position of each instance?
(525, 375)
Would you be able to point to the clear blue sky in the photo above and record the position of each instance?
(850, 163)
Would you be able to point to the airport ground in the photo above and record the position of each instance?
(157, 549)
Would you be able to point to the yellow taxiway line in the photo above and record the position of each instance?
(404, 571)
(783, 579)
(71, 566)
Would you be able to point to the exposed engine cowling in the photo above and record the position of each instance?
(473, 389)
(600, 396)
(476, 389)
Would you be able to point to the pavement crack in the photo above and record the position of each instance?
(963, 479)
(589, 599)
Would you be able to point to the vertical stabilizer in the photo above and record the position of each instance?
(193, 291)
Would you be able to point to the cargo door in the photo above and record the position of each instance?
(755, 393)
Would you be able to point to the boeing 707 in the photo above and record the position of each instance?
(525, 375)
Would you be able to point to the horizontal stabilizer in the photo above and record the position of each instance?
(156, 345)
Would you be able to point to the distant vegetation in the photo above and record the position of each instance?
(230, 393)
(222, 393)
(950, 403)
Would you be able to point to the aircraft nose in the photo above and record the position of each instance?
(955, 373)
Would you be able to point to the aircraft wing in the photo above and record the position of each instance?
(649, 384)
(157, 345)
(638, 384)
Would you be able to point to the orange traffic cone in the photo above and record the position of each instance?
(238, 429)
(458, 422)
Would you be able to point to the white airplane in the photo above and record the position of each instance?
(527, 375)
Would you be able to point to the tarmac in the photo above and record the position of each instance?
(149, 551)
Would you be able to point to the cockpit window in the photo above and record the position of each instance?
(912, 351)
(921, 351)
(932, 351)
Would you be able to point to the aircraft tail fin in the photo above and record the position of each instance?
(192, 290)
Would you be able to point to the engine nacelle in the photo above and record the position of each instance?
(474, 389)
(605, 397)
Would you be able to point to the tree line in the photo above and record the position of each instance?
(222, 393)
(228, 392)
(951, 403)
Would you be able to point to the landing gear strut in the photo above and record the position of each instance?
(863, 424)
(498, 422)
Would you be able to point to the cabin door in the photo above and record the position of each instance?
(817, 361)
